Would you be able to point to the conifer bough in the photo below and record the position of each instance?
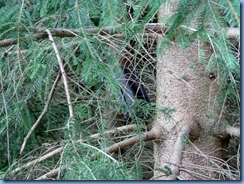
(151, 29)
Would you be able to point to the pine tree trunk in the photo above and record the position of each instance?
(184, 84)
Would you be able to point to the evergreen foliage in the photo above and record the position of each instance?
(28, 70)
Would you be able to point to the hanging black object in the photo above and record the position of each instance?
(131, 89)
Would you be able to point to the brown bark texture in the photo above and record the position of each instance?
(183, 83)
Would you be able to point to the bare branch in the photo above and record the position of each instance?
(66, 87)
(117, 130)
(51, 174)
(41, 115)
(7, 117)
(147, 136)
(12, 41)
(45, 157)
(177, 155)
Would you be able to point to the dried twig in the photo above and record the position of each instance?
(66, 87)
(7, 116)
(44, 157)
(50, 174)
(41, 115)
(116, 130)
(144, 137)
(151, 135)
(147, 136)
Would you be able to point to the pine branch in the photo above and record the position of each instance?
(153, 134)
(42, 114)
(12, 41)
(43, 158)
(151, 30)
(40, 33)
(7, 117)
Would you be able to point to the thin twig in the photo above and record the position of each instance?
(115, 147)
(144, 137)
(66, 87)
(50, 174)
(115, 131)
(42, 114)
(43, 158)
(6, 117)
(147, 136)
(93, 147)
(196, 174)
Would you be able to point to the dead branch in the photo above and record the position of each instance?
(66, 87)
(7, 117)
(116, 131)
(177, 155)
(151, 135)
(12, 41)
(147, 136)
(151, 30)
(40, 33)
(43, 158)
(42, 114)
(50, 174)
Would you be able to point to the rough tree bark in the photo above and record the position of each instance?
(184, 84)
